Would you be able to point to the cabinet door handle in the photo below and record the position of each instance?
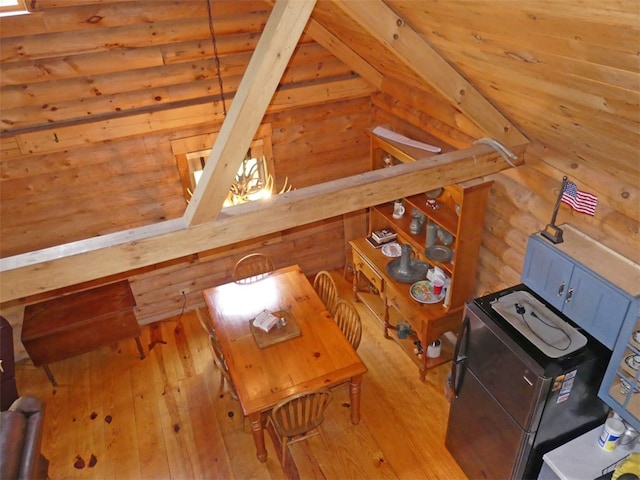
(561, 289)
(569, 295)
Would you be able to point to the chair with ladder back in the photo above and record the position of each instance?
(299, 416)
(252, 267)
(326, 289)
(348, 319)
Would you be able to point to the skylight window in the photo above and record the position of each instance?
(12, 7)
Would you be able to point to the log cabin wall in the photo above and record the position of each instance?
(119, 105)
(92, 95)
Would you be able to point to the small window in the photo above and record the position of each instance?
(12, 7)
(254, 179)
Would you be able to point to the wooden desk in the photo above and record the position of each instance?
(428, 321)
(320, 357)
(74, 324)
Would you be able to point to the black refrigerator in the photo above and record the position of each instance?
(525, 381)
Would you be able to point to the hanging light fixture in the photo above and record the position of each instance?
(216, 58)
(253, 181)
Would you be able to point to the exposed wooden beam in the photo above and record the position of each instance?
(58, 267)
(390, 30)
(268, 62)
(332, 43)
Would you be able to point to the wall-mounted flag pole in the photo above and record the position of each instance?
(552, 232)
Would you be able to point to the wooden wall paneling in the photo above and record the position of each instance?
(129, 205)
(337, 89)
(433, 106)
(317, 132)
(609, 226)
(402, 41)
(127, 174)
(84, 156)
(617, 109)
(314, 247)
(321, 151)
(63, 137)
(506, 254)
(616, 151)
(330, 111)
(9, 149)
(535, 16)
(98, 15)
(112, 187)
(26, 72)
(551, 57)
(494, 275)
(344, 53)
(58, 92)
(34, 47)
(315, 71)
(618, 188)
(101, 106)
(60, 138)
(617, 226)
(515, 77)
(445, 136)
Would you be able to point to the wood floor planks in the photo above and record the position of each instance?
(169, 417)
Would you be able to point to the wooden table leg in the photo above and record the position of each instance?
(354, 391)
(356, 278)
(140, 349)
(258, 436)
(50, 375)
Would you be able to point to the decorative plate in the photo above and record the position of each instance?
(632, 361)
(422, 291)
(439, 253)
(391, 250)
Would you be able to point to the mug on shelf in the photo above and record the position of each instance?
(398, 209)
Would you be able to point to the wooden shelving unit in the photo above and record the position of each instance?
(460, 212)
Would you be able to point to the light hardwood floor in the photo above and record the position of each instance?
(165, 417)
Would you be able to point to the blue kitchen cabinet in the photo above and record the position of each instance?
(620, 388)
(546, 271)
(580, 277)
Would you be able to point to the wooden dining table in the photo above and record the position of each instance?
(317, 356)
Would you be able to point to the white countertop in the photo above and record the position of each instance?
(582, 458)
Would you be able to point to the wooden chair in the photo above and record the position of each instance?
(348, 319)
(299, 416)
(218, 357)
(252, 267)
(326, 288)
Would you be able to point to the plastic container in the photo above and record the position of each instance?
(610, 434)
(434, 349)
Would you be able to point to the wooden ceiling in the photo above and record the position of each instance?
(561, 74)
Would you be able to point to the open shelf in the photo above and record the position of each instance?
(460, 212)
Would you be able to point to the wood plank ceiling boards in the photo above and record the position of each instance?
(204, 226)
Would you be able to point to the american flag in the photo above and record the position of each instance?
(580, 201)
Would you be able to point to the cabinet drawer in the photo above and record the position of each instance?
(368, 271)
